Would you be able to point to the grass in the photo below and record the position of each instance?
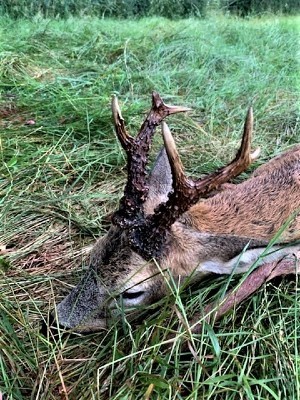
(62, 175)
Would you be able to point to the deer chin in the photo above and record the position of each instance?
(92, 326)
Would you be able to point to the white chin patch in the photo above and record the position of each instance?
(245, 260)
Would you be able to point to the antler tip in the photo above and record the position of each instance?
(156, 99)
(166, 131)
(116, 111)
(248, 128)
(115, 104)
(168, 140)
(249, 117)
(171, 150)
(157, 102)
(177, 109)
(255, 154)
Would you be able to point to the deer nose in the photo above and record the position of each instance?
(52, 328)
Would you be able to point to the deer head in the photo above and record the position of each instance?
(149, 233)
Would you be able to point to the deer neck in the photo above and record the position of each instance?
(188, 248)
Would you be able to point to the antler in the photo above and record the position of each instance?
(130, 212)
(148, 238)
(188, 191)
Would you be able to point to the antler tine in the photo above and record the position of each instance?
(180, 181)
(124, 138)
(187, 191)
(130, 212)
(242, 160)
(158, 112)
(240, 163)
(163, 110)
(184, 192)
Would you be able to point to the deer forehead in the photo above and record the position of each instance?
(116, 264)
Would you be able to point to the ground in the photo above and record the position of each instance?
(63, 172)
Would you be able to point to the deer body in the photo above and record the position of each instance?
(254, 209)
(162, 219)
(257, 207)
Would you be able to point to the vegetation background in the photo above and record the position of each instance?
(144, 8)
(62, 172)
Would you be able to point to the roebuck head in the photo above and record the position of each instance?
(149, 233)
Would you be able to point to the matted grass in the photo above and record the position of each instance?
(63, 174)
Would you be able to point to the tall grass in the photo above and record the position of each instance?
(62, 173)
(101, 8)
(249, 7)
(140, 8)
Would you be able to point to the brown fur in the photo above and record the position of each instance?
(258, 207)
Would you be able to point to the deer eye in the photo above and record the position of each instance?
(132, 295)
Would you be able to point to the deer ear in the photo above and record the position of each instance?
(160, 182)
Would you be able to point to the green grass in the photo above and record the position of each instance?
(61, 176)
